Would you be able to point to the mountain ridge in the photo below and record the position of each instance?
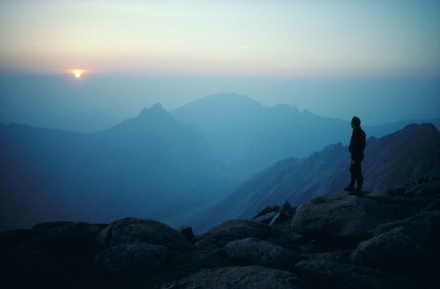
(144, 165)
(249, 137)
(410, 153)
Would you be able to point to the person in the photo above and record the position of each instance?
(356, 148)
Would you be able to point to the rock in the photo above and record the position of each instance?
(407, 247)
(257, 252)
(275, 218)
(424, 190)
(308, 247)
(132, 230)
(322, 273)
(401, 252)
(252, 277)
(427, 223)
(267, 210)
(235, 230)
(102, 239)
(266, 219)
(14, 238)
(46, 226)
(131, 257)
(342, 218)
(187, 232)
(334, 256)
(286, 209)
(435, 205)
(64, 238)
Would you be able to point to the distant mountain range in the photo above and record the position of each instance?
(249, 137)
(169, 166)
(148, 166)
(413, 152)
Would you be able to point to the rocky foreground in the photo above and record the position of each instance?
(381, 239)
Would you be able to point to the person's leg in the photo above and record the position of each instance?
(350, 187)
(359, 177)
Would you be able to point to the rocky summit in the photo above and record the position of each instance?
(387, 238)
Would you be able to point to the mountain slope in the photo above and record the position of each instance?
(410, 153)
(249, 136)
(148, 166)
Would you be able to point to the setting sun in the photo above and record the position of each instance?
(77, 73)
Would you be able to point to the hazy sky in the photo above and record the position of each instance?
(269, 38)
(179, 51)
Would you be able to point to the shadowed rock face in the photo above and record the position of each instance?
(409, 246)
(62, 238)
(252, 251)
(345, 218)
(252, 277)
(132, 230)
(131, 257)
(385, 239)
(235, 230)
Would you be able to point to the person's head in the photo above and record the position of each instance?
(355, 122)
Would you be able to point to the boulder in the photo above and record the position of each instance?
(131, 257)
(343, 218)
(433, 206)
(266, 219)
(266, 211)
(424, 190)
(399, 250)
(322, 273)
(131, 230)
(408, 247)
(253, 251)
(276, 219)
(426, 222)
(252, 277)
(63, 238)
(286, 209)
(102, 239)
(187, 232)
(47, 226)
(235, 230)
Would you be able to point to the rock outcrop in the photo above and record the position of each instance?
(382, 239)
(252, 251)
(131, 257)
(341, 217)
(252, 277)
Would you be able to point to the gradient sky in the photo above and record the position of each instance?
(268, 38)
(376, 59)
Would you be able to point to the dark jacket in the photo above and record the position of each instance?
(357, 144)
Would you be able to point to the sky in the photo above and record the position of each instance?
(378, 59)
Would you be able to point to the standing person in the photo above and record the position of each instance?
(356, 148)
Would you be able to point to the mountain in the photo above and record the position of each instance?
(249, 137)
(148, 166)
(410, 153)
(388, 128)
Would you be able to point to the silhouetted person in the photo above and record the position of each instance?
(356, 148)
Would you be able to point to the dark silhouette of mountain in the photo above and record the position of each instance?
(410, 153)
(388, 128)
(249, 137)
(148, 166)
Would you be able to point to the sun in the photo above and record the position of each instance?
(77, 73)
